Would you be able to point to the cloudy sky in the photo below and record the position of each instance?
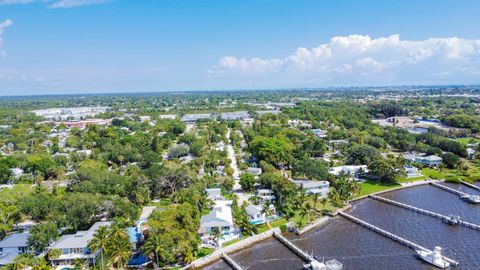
(80, 46)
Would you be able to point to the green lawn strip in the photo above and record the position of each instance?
(370, 187)
(231, 242)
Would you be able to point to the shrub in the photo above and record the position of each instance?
(452, 179)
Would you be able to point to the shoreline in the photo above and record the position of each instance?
(252, 240)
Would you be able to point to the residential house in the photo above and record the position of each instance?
(257, 215)
(74, 246)
(214, 193)
(319, 133)
(13, 245)
(313, 187)
(356, 171)
(423, 159)
(412, 171)
(220, 218)
(254, 170)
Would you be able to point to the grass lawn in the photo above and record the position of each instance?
(370, 187)
(413, 179)
(231, 242)
(202, 252)
(466, 141)
(275, 223)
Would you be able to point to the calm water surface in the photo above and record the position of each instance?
(360, 248)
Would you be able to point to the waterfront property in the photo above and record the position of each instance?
(13, 245)
(412, 171)
(220, 218)
(257, 214)
(356, 171)
(74, 246)
(423, 159)
(313, 187)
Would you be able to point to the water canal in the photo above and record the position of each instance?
(359, 248)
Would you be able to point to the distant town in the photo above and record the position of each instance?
(183, 181)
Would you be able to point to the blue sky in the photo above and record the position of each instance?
(85, 46)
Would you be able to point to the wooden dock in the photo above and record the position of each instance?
(231, 262)
(423, 211)
(470, 185)
(392, 236)
(449, 189)
(302, 254)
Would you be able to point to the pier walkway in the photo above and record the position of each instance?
(392, 236)
(302, 254)
(231, 262)
(449, 189)
(425, 212)
(470, 185)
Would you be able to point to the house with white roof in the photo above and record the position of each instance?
(313, 187)
(423, 159)
(12, 246)
(257, 215)
(353, 170)
(254, 170)
(214, 193)
(74, 246)
(220, 218)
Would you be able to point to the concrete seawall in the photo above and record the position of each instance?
(409, 185)
(217, 254)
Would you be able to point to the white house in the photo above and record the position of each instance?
(214, 193)
(17, 173)
(256, 214)
(431, 161)
(353, 170)
(13, 245)
(220, 218)
(254, 170)
(412, 171)
(313, 187)
(74, 246)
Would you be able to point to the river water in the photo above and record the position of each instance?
(359, 248)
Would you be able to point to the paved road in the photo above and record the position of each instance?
(237, 188)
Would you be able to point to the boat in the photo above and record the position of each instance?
(434, 257)
(452, 220)
(329, 265)
(471, 198)
(314, 265)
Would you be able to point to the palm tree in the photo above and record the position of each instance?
(267, 211)
(315, 198)
(100, 242)
(153, 246)
(120, 251)
(80, 264)
(118, 232)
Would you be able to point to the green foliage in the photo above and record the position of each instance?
(387, 170)
(41, 236)
(451, 160)
(247, 181)
(272, 150)
(176, 230)
(362, 154)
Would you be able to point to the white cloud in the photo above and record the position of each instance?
(75, 3)
(3, 25)
(360, 59)
(56, 3)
